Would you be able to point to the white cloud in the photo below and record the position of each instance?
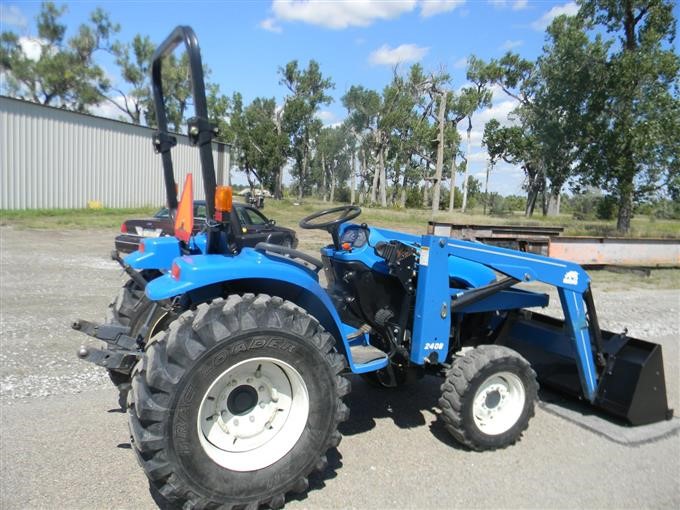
(401, 54)
(475, 134)
(432, 7)
(339, 15)
(108, 110)
(336, 14)
(326, 116)
(499, 111)
(270, 25)
(570, 9)
(31, 47)
(461, 63)
(12, 15)
(517, 5)
(511, 45)
(477, 156)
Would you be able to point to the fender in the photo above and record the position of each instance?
(155, 253)
(270, 272)
(159, 252)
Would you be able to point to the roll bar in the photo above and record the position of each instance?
(201, 131)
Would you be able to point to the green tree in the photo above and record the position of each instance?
(473, 97)
(260, 148)
(406, 125)
(569, 70)
(65, 73)
(364, 109)
(307, 92)
(134, 63)
(516, 146)
(333, 158)
(634, 112)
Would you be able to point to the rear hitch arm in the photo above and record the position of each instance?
(122, 361)
(136, 276)
(115, 335)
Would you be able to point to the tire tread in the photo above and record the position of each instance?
(153, 383)
(457, 387)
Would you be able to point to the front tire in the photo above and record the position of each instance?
(488, 397)
(237, 403)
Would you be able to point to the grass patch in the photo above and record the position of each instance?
(288, 213)
(55, 219)
(657, 279)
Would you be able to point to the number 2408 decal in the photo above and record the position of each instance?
(434, 346)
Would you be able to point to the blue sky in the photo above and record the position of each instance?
(355, 42)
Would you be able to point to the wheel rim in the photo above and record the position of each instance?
(253, 414)
(498, 403)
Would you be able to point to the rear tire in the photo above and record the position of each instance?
(488, 397)
(130, 301)
(237, 403)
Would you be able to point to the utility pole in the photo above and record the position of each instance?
(440, 152)
(353, 177)
(486, 185)
(467, 165)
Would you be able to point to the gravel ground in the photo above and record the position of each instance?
(50, 278)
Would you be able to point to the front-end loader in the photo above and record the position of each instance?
(235, 401)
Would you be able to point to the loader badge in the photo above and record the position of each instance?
(570, 278)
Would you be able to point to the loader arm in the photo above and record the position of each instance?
(633, 364)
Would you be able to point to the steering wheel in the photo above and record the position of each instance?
(341, 215)
(349, 212)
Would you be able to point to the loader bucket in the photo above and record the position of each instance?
(631, 385)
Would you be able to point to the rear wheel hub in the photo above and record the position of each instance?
(253, 414)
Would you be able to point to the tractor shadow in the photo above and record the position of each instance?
(367, 403)
(403, 405)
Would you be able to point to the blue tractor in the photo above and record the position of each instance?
(236, 359)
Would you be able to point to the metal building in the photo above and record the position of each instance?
(54, 158)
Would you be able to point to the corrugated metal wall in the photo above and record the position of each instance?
(53, 158)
